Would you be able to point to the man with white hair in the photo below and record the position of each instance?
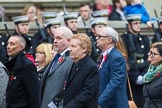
(112, 71)
(51, 94)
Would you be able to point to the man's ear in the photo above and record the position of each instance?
(16, 28)
(84, 50)
(48, 30)
(109, 39)
(93, 30)
(21, 47)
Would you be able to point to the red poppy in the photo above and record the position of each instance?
(105, 57)
(158, 74)
(11, 77)
(61, 59)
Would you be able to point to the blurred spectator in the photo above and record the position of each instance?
(43, 57)
(3, 39)
(2, 11)
(3, 85)
(30, 10)
(137, 7)
(102, 5)
(100, 13)
(45, 34)
(71, 21)
(85, 14)
(33, 10)
(158, 32)
(124, 2)
(117, 13)
(51, 25)
(137, 47)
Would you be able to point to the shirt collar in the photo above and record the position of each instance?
(107, 51)
(62, 53)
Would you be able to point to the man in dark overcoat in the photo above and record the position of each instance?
(23, 87)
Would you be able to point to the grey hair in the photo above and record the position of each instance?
(66, 31)
(21, 41)
(112, 33)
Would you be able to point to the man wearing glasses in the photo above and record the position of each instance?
(112, 71)
(137, 47)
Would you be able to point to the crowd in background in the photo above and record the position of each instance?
(60, 67)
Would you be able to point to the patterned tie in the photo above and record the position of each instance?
(99, 61)
(102, 60)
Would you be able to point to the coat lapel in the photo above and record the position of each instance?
(56, 65)
(72, 77)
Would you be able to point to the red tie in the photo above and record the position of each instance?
(105, 57)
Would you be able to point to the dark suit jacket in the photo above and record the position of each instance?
(112, 88)
(53, 82)
(82, 87)
(154, 88)
(23, 86)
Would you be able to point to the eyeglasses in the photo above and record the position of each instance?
(99, 36)
(153, 54)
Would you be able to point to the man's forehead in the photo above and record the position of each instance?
(70, 20)
(85, 7)
(23, 23)
(58, 33)
(136, 21)
(100, 25)
(13, 39)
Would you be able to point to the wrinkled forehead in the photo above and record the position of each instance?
(13, 39)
